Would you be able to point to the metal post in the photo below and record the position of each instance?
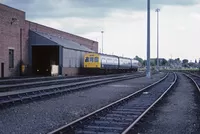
(102, 41)
(20, 36)
(148, 73)
(157, 10)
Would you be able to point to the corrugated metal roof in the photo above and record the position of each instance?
(56, 40)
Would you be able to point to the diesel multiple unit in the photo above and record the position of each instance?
(103, 63)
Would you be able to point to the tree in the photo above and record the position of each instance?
(153, 62)
(144, 62)
(185, 61)
(163, 62)
(177, 60)
(139, 59)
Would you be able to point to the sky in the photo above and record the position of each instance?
(124, 23)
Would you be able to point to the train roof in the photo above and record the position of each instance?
(112, 55)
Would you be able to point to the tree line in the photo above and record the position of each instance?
(164, 62)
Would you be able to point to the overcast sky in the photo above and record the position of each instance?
(123, 23)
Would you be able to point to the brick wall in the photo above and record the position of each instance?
(11, 21)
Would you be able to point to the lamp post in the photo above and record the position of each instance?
(102, 40)
(157, 10)
(148, 73)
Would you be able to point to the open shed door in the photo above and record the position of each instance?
(42, 59)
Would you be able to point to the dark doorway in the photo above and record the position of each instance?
(2, 70)
(42, 59)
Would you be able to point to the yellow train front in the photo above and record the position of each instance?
(91, 60)
(95, 63)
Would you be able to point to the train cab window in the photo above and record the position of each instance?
(91, 59)
(86, 59)
(96, 59)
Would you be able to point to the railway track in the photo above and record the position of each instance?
(195, 79)
(31, 79)
(52, 81)
(121, 116)
(18, 80)
(49, 91)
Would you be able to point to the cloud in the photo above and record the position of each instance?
(82, 26)
(86, 8)
(181, 28)
(73, 25)
(195, 15)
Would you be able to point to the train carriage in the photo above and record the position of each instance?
(95, 63)
(124, 63)
(134, 65)
(108, 62)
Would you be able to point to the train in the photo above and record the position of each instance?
(98, 63)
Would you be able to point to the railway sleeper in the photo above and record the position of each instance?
(103, 128)
(106, 122)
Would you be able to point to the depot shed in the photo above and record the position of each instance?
(46, 50)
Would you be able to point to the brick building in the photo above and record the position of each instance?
(15, 42)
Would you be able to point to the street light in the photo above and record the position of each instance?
(157, 10)
(148, 73)
(102, 40)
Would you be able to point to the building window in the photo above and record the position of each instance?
(11, 58)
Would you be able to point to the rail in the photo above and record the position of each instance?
(193, 80)
(121, 115)
(41, 92)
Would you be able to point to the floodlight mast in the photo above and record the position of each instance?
(148, 72)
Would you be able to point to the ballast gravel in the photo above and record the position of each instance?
(178, 112)
(40, 117)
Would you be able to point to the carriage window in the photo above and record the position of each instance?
(96, 59)
(86, 59)
(91, 59)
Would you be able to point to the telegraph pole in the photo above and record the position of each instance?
(148, 72)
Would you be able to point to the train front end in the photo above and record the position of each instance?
(91, 60)
(92, 63)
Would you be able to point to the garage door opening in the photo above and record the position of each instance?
(42, 59)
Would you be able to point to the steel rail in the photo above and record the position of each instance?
(21, 80)
(138, 119)
(69, 127)
(4, 88)
(195, 83)
(58, 90)
(44, 78)
(192, 74)
(56, 82)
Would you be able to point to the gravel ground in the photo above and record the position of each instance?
(45, 115)
(177, 113)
